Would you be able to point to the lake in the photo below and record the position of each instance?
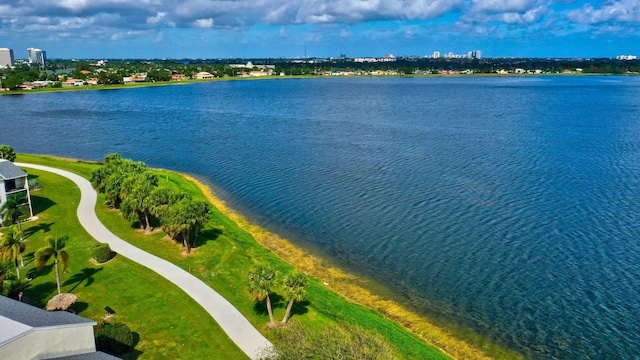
(510, 205)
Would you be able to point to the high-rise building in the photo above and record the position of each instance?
(6, 57)
(436, 54)
(475, 54)
(37, 56)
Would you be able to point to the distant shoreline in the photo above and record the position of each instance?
(195, 81)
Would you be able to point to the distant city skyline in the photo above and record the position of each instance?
(320, 28)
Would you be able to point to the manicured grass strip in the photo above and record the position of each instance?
(169, 323)
(223, 259)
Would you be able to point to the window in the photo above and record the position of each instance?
(10, 185)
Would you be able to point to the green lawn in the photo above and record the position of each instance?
(169, 323)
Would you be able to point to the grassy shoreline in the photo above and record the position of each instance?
(348, 286)
(196, 81)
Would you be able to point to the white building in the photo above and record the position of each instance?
(27, 332)
(436, 55)
(37, 56)
(204, 75)
(13, 180)
(6, 57)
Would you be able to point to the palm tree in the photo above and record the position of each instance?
(11, 248)
(201, 213)
(294, 284)
(10, 210)
(53, 250)
(7, 152)
(260, 280)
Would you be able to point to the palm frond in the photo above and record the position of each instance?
(42, 256)
(64, 258)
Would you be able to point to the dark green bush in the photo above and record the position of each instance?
(102, 253)
(115, 339)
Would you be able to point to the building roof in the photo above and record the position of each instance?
(17, 318)
(9, 171)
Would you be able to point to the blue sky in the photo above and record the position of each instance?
(294, 28)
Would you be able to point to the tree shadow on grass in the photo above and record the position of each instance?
(78, 278)
(135, 354)
(28, 258)
(208, 235)
(135, 225)
(299, 308)
(45, 227)
(38, 295)
(33, 272)
(79, 306)
(40, 204)
(260, 306)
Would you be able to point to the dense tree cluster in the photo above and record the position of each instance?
(12, 78)
(129, 186)
(9, 280)
(114, 71)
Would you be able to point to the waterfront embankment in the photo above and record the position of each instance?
(351, 287)
(222, 258)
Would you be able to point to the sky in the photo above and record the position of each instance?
(115, 29)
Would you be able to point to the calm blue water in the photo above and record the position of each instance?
(510, 205)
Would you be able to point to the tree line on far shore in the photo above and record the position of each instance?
(130, 187)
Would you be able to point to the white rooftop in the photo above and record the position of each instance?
(11, 329)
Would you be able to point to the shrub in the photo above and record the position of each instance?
(115, 339)
(9, 282)
(102, 253)
(347, 342)
(33, 184)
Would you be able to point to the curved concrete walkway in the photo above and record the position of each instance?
(228, 317)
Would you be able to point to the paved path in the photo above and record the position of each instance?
(228, 317)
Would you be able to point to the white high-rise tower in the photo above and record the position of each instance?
(37, 56)
(6, 57)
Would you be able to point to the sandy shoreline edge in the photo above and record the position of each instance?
(344, 283)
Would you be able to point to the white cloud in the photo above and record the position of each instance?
(510, 12)
(203, 23)
(623, 11)
(74, 5)
(528, 17)
(503, 6)
(159, 38)
(351, 11)
(130, 34)
(155, 20)
(345, 33)
(310, 19)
